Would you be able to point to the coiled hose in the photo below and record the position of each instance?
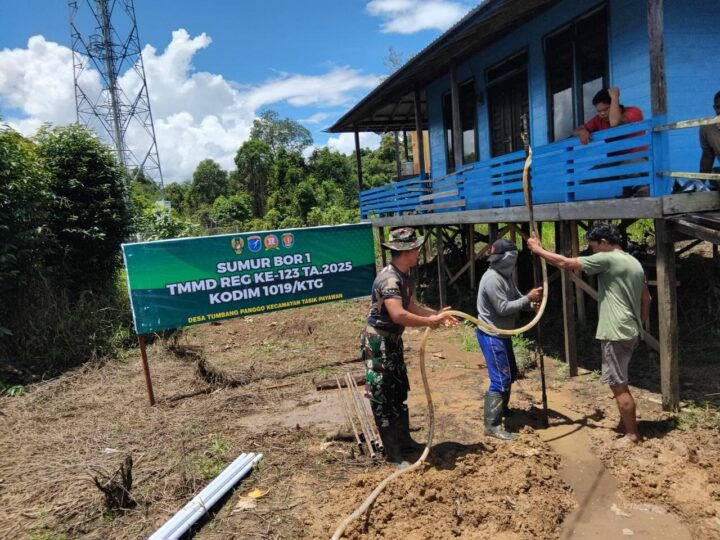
(527, 191)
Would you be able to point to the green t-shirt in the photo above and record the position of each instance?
(620, 283)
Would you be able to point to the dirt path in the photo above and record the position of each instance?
(601, 511)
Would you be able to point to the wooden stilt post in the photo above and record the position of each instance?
(568, 302)
(441, 265)
(358, 160)
(471, 255)
(492, 232)
(667, 317)
(146, 369)
(381, 240)
(579, 294)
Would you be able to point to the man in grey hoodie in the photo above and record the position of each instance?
(498, 302)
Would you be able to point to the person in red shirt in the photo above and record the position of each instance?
(610, 113)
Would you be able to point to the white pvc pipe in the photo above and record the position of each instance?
(177, 525)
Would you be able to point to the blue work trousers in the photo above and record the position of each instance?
(500, 361)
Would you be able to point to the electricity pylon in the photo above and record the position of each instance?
(105, 40)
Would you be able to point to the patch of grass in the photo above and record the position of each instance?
(562, 369)
(323, 372)
(219, 447)
(210, 463)
(703, 415)
(326, 458)
(468, 340)
(524, 353)
(11, 389)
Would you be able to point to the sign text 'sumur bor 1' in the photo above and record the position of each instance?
(174, 283)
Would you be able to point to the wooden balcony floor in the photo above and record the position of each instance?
(640, 207)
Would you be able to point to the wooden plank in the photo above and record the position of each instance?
(682, 203)
(479, 254)
(439, 195)
(471, 255)
(448, 204)
(706, 121)
(695, 230)
(668, 321)
(658, 84)
(579, 296)
(358, 160)
(691, 175)
(644, 207)
(568, 302)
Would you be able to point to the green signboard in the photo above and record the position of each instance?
(187, 281)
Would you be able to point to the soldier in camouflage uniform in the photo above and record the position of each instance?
(391, 311)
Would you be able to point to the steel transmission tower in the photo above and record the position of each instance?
(105, 40)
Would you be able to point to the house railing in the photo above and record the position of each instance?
(617, 163)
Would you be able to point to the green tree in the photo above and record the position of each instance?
(280, 133)
(328, 166)
(254, 160)
(208, 183)
(90, 215)
(232, 211)
(178, 194)
(305, 199)
(25, 201)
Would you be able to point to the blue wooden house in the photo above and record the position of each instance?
(528, 69)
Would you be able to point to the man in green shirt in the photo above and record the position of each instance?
(623, 309)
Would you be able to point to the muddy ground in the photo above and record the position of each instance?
(62, 433)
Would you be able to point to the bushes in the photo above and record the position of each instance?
(63, 214)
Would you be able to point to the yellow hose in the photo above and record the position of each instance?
(527, 190)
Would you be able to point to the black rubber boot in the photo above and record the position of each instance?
(407, 444)
(391, 445)
(506, 411)
(493, 417)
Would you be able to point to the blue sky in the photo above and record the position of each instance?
(213, 65)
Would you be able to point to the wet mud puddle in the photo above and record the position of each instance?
(600, 512)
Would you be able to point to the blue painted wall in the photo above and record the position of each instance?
(691, 42)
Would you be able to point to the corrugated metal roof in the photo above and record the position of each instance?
(483, 25)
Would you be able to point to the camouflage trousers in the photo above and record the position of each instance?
(385, 375)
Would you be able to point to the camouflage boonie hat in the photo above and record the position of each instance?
(403, 239)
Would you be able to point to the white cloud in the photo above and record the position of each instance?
(345, 142)
(410, 16)
(316, 118)
(197, 115)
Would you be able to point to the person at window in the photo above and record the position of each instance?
(610, 113)
(710, 142)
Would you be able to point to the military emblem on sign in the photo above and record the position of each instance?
(254, 243)
(237, 245)
(288, 240)
(271, 242)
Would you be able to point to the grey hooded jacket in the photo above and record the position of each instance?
(499, 301)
